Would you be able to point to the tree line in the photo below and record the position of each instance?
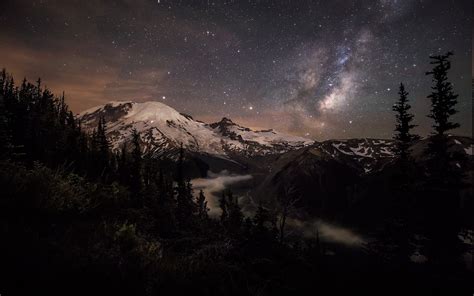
(126, 223)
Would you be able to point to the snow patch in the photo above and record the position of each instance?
(177, 129)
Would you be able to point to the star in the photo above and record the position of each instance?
(302, 67)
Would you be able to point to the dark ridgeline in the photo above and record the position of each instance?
(78, 217)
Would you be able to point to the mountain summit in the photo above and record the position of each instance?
(163, 128)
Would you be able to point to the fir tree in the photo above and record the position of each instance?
(202, 206)
(403, 137)
(444, 179)
(102, 146)
(185, 205)
(5, 133)
(136, 165)
(223, 207)
(443, 102)
(123, 169)
(443, 98)
(235, 215)
(102, 142)
(261, 216)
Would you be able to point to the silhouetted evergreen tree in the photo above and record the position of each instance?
(403, 137)
(265, 229)
(166, 210)
(185, 205)
(136, 166)
(444, 179)
(443, 98)
(443, 102)
(202, 206)
(5, 133)
(223, 206)
(99, 152)
(232, 217)
(123, 165)
(261, 217)
(102, 142)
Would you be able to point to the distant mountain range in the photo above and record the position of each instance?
(326, 175)
(163, 130)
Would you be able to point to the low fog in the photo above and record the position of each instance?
(214, 185)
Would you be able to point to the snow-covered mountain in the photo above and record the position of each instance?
(329, 175)
(365, 154)
(163, 129)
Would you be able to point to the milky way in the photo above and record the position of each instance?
(321, 69)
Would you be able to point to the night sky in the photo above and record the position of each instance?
(324, 69)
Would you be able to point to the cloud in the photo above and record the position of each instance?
(328, 232)
(214, 185)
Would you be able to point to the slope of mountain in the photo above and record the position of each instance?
(316, 177)
(328, 177)
(258, 142)
(164, 129)
(364, 155)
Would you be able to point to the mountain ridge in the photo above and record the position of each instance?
(167, 128)
(163, 130)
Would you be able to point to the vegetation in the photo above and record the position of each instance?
(404, 139)
(79, 218)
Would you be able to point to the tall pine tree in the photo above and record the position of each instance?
(443, 102)
(103, 147)
(185, 205)
(444, 179)
(402, 136)
(136, 166)
(443, 98)
(202, 206)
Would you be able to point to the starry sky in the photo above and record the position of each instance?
(320, 69)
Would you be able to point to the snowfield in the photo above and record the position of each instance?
(162, 127)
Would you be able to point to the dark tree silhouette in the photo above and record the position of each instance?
(202, 206)
(403, 137)
(185, 205)
(444, 179)
(443, 98)
(443, 102)
(136, 165)
(223, 206)
(235, 215)
(5, 133)
(101, 150)
(102, 141)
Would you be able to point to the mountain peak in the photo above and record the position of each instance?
(226, 120)
(166, 129)
(224, 123)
